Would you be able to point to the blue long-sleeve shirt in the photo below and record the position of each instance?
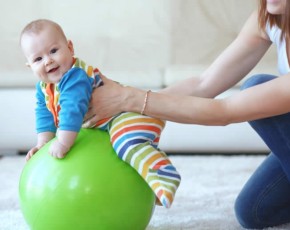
(71, 98)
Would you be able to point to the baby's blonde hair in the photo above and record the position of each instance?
(38, 25)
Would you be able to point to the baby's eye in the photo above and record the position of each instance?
(53, 51)
(37, 59)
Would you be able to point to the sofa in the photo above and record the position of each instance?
(146, 44)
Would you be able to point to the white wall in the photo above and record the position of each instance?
(143, 43)
(129, 34)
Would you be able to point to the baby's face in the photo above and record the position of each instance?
(48, 53)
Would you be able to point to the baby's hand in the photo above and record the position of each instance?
(31, 152)
(58, 150)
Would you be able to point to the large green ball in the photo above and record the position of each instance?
(91, 188)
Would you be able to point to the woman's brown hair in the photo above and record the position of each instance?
(282, 21)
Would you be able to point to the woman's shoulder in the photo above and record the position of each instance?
(252, 29)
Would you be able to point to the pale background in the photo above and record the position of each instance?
(147, 44)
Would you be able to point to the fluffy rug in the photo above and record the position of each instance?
(204, 200)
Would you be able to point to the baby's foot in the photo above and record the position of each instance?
(164, 182)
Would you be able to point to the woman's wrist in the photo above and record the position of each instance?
(145, 102)
(134, 100)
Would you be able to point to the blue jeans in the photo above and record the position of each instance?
(265, 199)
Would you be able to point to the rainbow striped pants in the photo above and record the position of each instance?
(135, 138)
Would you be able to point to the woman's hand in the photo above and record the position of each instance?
(107, 101)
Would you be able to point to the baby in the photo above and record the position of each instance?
(63, 94)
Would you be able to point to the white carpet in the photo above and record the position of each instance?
(204, 200)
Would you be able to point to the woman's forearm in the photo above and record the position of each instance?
(182, 109)
(265, 100)
(186, 109)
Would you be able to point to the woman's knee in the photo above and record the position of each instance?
(256, 80)
(243, 213)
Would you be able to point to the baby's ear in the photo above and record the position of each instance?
(71, 46)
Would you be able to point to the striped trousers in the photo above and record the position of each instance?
(135, 138)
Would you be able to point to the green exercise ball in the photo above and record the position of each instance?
(91, 188)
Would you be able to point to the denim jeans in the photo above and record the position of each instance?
(265, 199)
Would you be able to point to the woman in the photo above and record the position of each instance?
(264, 102)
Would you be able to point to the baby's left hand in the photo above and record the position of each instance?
(58, 150)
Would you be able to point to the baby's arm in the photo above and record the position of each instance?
(42, 139)
(75, 91)
(62, 144)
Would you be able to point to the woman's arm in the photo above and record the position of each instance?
(264, 100)
(230, 67)
(268, 99)
(233, 64)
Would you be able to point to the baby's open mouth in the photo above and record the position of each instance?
(53, 70)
